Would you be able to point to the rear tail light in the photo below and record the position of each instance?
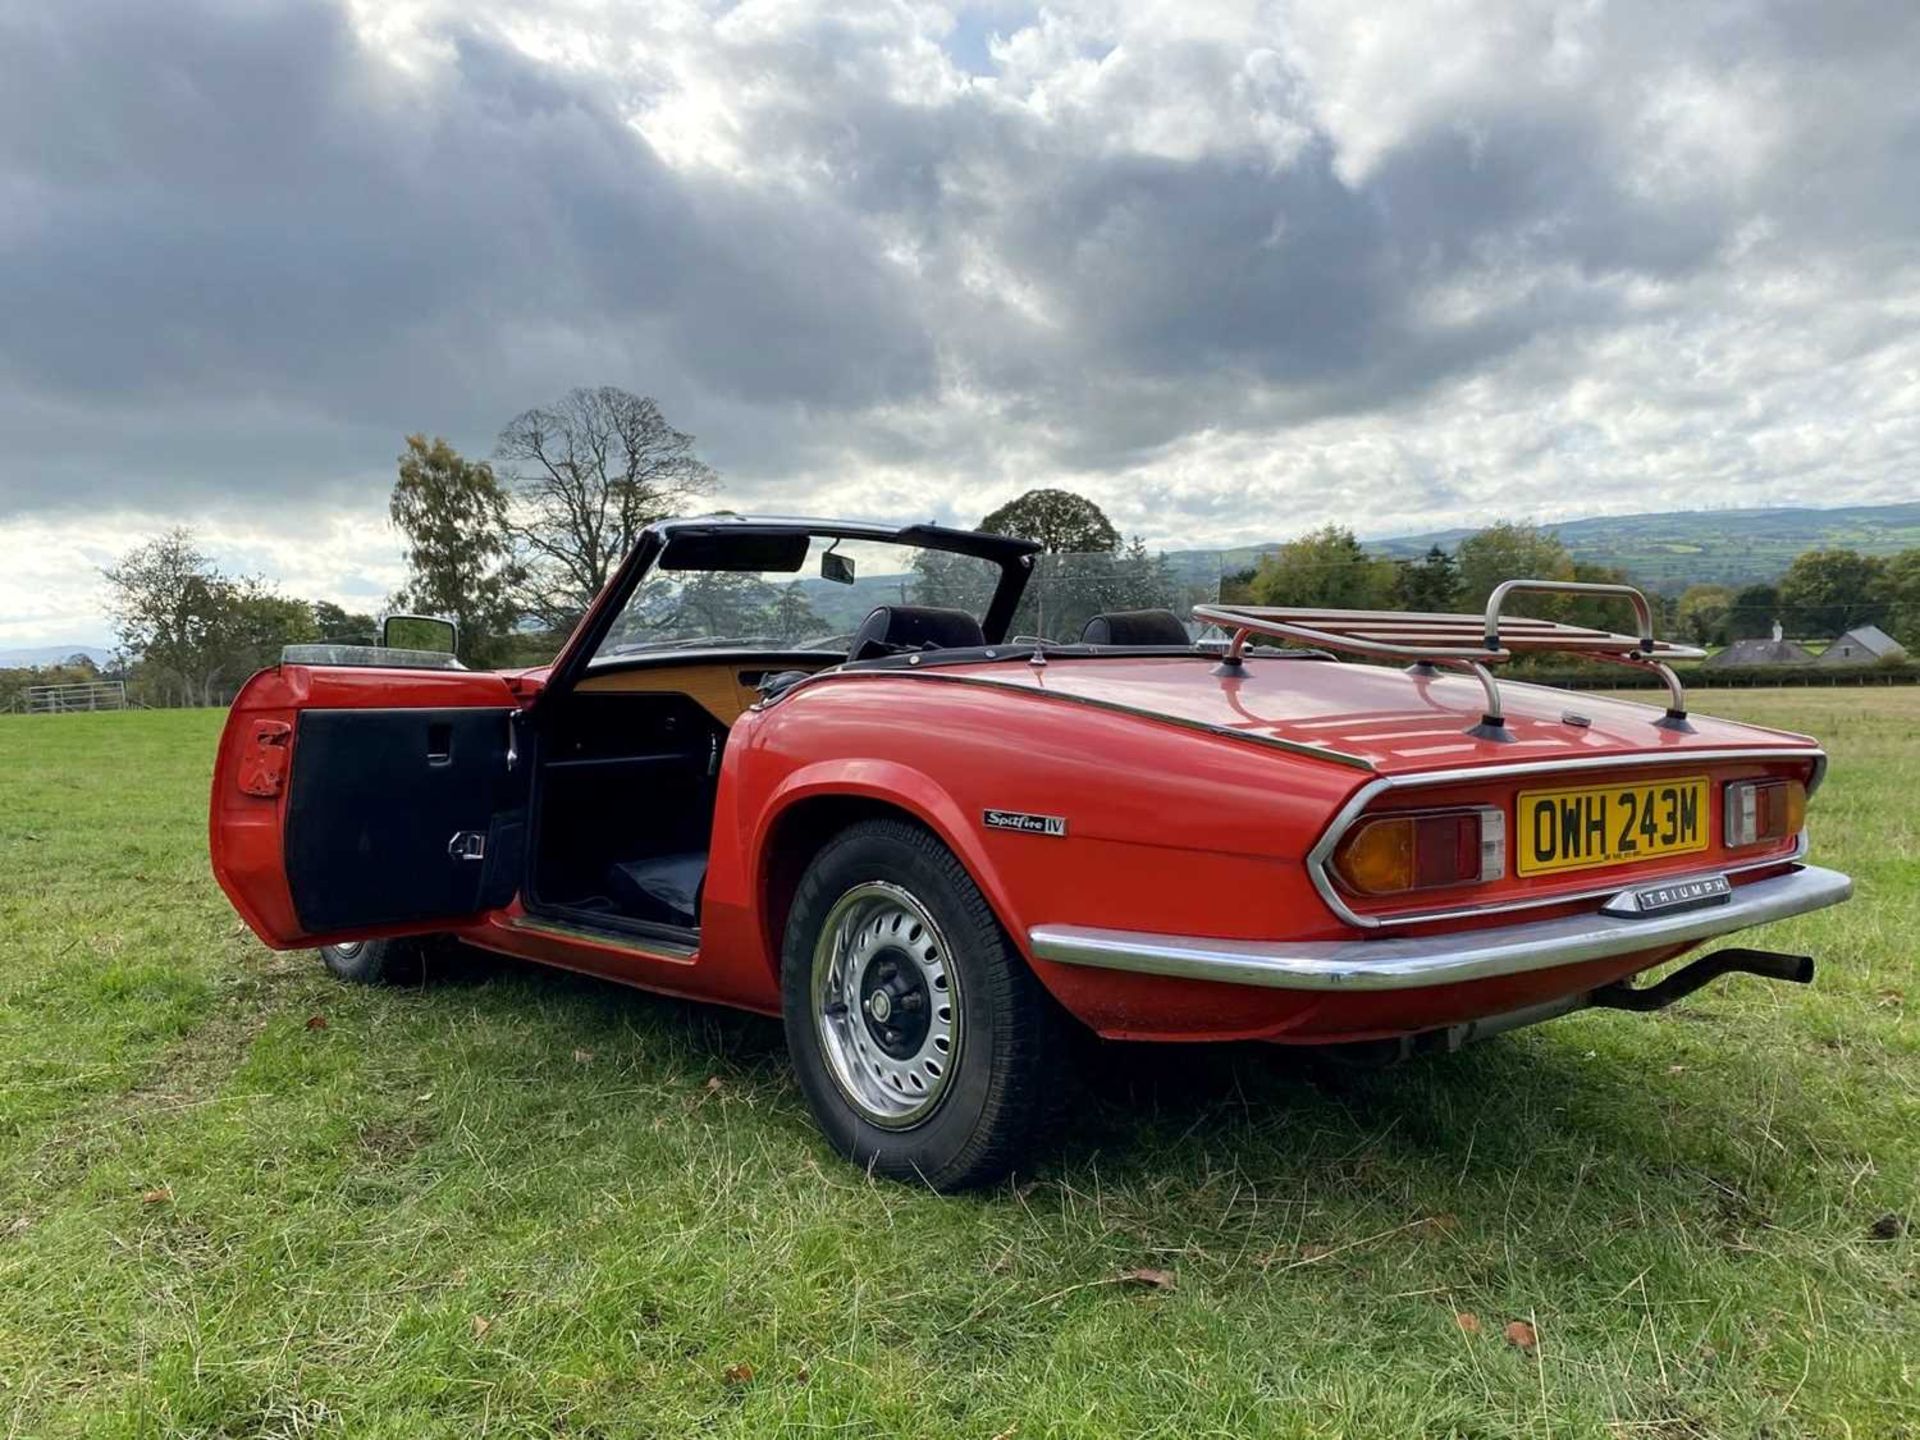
(1423, 850)
(1761, 810)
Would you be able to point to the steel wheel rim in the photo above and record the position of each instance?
(878, 940)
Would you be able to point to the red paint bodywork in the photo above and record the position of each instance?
(1192, 801)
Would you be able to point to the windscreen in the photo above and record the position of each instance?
(799, 608)
(1069, 589)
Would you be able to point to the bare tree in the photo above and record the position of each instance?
(586, 475)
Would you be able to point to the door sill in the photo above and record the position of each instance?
(664, 941)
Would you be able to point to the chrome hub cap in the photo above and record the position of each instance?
(886, 1006)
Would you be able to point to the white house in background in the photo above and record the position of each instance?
(1862, 645)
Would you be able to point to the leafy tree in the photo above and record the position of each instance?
(791, 616)
(195, 632)
(1146, 580)
(332, 622)
(168, 603)
(1604, 612)
(1899, 593)
(1062, 522)
(1068, 589)
(454, 514)
(1327, 567)
(1432, 585)
(1703, 613)
(954, 582)
(1514, 551)
(1754, 609)
(724, 603)
(15, 682)
(1236, 587)
(1827, 592)
(587, 474)
(258, 624)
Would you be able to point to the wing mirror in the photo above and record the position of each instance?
(431, 633)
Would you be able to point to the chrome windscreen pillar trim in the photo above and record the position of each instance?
(1414, 962)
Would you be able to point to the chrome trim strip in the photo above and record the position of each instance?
(1323, 848)
(611, 939)
(1677, 755)
(1410, 963)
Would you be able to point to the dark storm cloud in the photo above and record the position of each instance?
(245, 254)
(248, 247)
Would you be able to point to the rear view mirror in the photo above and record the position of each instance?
(837, 568)
(420, 632)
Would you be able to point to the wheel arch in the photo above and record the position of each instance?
(820, 802)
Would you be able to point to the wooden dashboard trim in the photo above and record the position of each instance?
(718, 687)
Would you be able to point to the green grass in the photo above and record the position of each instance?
(519, 1203)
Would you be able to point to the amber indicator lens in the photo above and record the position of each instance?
(1758, 811)
(1389, 854)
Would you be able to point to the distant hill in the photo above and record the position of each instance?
(51, 655)
(843, 607)
(1668, 551)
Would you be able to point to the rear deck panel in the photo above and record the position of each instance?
(1394, 722)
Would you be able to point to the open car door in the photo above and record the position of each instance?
(353, 802)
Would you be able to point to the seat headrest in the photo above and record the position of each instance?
(913, 627)
(1136, 627)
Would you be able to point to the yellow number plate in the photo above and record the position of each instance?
(1608, 824)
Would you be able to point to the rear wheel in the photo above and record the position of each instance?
(925, 1047)
(379, 962)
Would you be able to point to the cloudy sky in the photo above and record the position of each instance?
(1233, 270)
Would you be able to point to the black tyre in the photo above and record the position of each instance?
(926, 1048)
(380, 962)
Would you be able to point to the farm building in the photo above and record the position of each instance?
(1862, 645)
(1758, 652)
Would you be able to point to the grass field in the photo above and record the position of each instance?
(238, 1199)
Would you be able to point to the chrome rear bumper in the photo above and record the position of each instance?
(1411, 962)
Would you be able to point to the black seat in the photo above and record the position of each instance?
(890, 629)
(1136, 627)
(663, 888)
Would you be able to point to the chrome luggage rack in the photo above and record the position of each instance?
(1468, 643)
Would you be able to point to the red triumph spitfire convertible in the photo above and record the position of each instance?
(933, 846)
